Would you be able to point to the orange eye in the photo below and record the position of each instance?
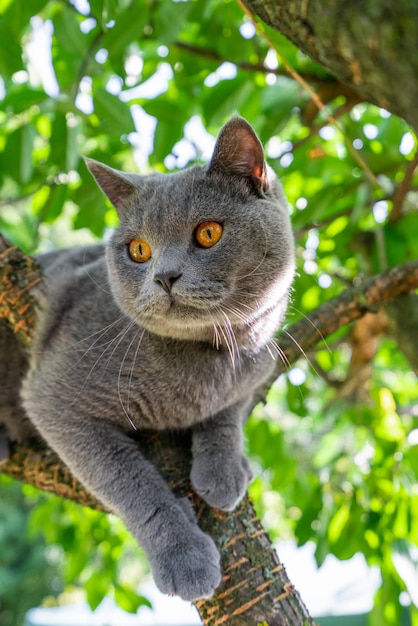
(208, 233)
(139, 250)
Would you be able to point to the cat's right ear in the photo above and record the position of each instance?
(119, 187)
(238, 151)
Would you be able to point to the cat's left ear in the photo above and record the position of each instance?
(238, 151)
(119, 187)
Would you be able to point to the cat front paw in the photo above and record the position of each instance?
(221, 480)
(189, 568)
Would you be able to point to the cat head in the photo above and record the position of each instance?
(205, 254)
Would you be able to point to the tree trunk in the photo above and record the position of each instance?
(370, 45)
(255, 587)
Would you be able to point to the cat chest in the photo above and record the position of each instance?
(160, 386)
(179, 394)
(147, 382)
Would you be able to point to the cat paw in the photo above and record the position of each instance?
(189, 568)
(221, 480)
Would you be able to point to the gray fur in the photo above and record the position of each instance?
(181, 341)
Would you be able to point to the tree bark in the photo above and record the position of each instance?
(371, 45)
(255, 587)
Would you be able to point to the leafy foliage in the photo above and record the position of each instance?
(133, 83)
(29, 569)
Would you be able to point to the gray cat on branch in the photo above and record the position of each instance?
(170, 325)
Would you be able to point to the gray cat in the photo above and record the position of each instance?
(168, 326)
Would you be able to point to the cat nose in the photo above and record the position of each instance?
(167, 279)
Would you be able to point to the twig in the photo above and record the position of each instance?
(250, 67)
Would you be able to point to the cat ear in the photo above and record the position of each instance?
(118, 186)
(239, 151)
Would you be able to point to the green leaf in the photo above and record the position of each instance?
(338, 522)
(169, 20)
(170, 109)
(22, 97)
(401, 240)
(129, 27)
(4, 4)
(112, 113)
(96, 588)
(91, 205)
(106, 11)
(69, 48)
(64, 153)
(58, 154)
(10, 52)
(129, 600)
(55, 203)
(16, 160)
(279, 99)
(17, 14)
(228, 95)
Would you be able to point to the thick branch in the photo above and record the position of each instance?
(18, 275)
(255, 586)
(370, 46)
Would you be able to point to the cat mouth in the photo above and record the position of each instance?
(181, 311)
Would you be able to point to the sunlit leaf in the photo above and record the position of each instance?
(112, 113)
(128, 600)
(96, 587)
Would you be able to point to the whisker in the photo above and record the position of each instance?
(226, 338)
(302, 351)
(216, 339)
(314, 326)
(231, 334)
(126, 411)
(267, 335)
(71, 347)
(95, 345)
(282, 354)
(120, 335)
(85, 268)
(133, 367)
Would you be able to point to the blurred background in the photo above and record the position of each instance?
(146, 85)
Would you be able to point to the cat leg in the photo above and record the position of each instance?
(184, 560)
(220, 471)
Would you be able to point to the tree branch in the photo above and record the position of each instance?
(18, 275)
(350, 305)
(373, 50)
(331, 85)
(255, 586)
